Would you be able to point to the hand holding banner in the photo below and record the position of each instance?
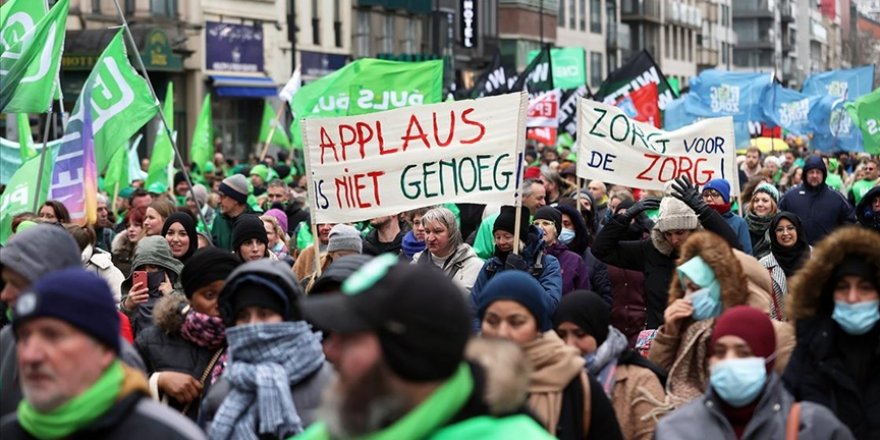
(614, 148)
(384, 163)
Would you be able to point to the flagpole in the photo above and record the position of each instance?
(42, 159)
(171, 138)
(271, 132)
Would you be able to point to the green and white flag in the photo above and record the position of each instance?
(865, 113)
(279, 136)
(117, 171)
(21, 191)
(365, 86)
(202, 149)
(163, 152)
(29, 66)
(25, 137)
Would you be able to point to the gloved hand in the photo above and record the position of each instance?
(516, 262)
(684, 190)
(638, 208)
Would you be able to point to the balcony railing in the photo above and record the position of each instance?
(755, 8)
(641, 10)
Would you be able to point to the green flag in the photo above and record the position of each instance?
(163, 152)
(865, 113)
(568, 65)
(21, 191)
(121, 102)
(365, 86)
(279, 136)
(17, 18)
(29, 67)
(117, 171)
(25, 138)
(202, 149)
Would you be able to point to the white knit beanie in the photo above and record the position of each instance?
(675, 215)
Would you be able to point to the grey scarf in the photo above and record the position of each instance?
(603, 362)
(264, 361)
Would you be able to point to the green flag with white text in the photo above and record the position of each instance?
(202, 149)
(279, 136)
(865, 114)
(29, 67)
(21, 191)
(25, 137)
(163, 152)
(365, 86)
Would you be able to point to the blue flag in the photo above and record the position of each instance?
(849, 84)
(788, 109)
(676, 116)
(833, 129)
(719, 93)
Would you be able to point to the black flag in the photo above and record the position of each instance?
(568, 108)
(494, 81)
(639, 71)
(538, 76)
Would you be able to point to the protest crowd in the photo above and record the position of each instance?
(391, 277)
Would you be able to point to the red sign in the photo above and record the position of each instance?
(544, 135)
(543, 110)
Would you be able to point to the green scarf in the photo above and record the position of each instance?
(425, 418)
(78, 412)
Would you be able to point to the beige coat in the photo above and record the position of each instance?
(637, 393)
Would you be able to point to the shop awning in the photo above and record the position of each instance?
(243, 86)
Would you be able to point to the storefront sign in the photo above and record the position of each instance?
(317, 64)
(233, 47)
(468, 23)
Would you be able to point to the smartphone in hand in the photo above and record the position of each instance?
(139, 277)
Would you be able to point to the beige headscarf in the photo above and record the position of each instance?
(554, 365)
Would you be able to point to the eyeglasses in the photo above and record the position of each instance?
(543, 223)
(782, 229)
(712, 193)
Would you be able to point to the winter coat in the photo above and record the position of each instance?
(462, 267)
(134, 416)
(865, 212)
(741, 228)
(572, 268)
(599, 279)
(100, 263)
(372, 245)
(703, 419)
(164, 349)
(780, 287)
(306, 395)
(545, 268)
(153, 251)
(685, 355)
(221, 229)
(296, 214)
(628, 311)
(818, 370)
(821, 209)
(305, 263)
(654, 257)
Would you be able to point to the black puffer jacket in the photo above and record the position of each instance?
(163, 349)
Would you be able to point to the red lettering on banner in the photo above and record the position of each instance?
(414, 121)
(467, 121)
(451, 130)
(327, 143)
(671, 168)
(343, 142)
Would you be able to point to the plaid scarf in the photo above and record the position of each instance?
(264, 361)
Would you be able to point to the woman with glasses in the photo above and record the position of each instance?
(788, 251)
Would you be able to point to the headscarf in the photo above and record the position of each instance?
(189, 226)
(586, 310)
(789, 259)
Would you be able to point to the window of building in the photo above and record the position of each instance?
(583, 16)
(409, 43)
(725, 58)
(362, 34)
(572, 15)
(668, 37)
(388, 34)
(560, 17)
(163, 8)
(674, 43)
(596, 16)
(612, 61)
(596, 69)
(337, 24)
(316, 23)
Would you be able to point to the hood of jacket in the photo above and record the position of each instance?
(273, 270)
(661, 243)
(155, 251)
(507, 373)
(167, 312)
(37, 251)
(719, 256)
(815, 163)
(808, 290)
(462, 253)
(865, 212)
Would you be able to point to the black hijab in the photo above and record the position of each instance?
(789, 259)
(189, 225)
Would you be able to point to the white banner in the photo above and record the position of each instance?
(378, 164)
(616, 149)
(544, 110)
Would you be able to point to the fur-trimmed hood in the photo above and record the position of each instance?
(808, 290)
(719, 256)
(507, 373)
(167, 313)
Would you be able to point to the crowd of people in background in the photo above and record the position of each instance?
(743, 309)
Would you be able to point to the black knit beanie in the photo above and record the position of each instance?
(506, 221)
(246, 228)
(206, 266)
(552, 214)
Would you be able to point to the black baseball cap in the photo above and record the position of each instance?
(420, 316)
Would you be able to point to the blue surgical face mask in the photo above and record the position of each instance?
(858, 318)
(566, 236)
(706, 302)
(739, 381)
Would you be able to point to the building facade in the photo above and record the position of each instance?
(716, 39)
(593, 26)
(766, 32)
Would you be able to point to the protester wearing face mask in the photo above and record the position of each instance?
(183, 351)
(745, 399)
(834, 302)
(152, 255)
(577, 238)
(572, 266)
(708, 279)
